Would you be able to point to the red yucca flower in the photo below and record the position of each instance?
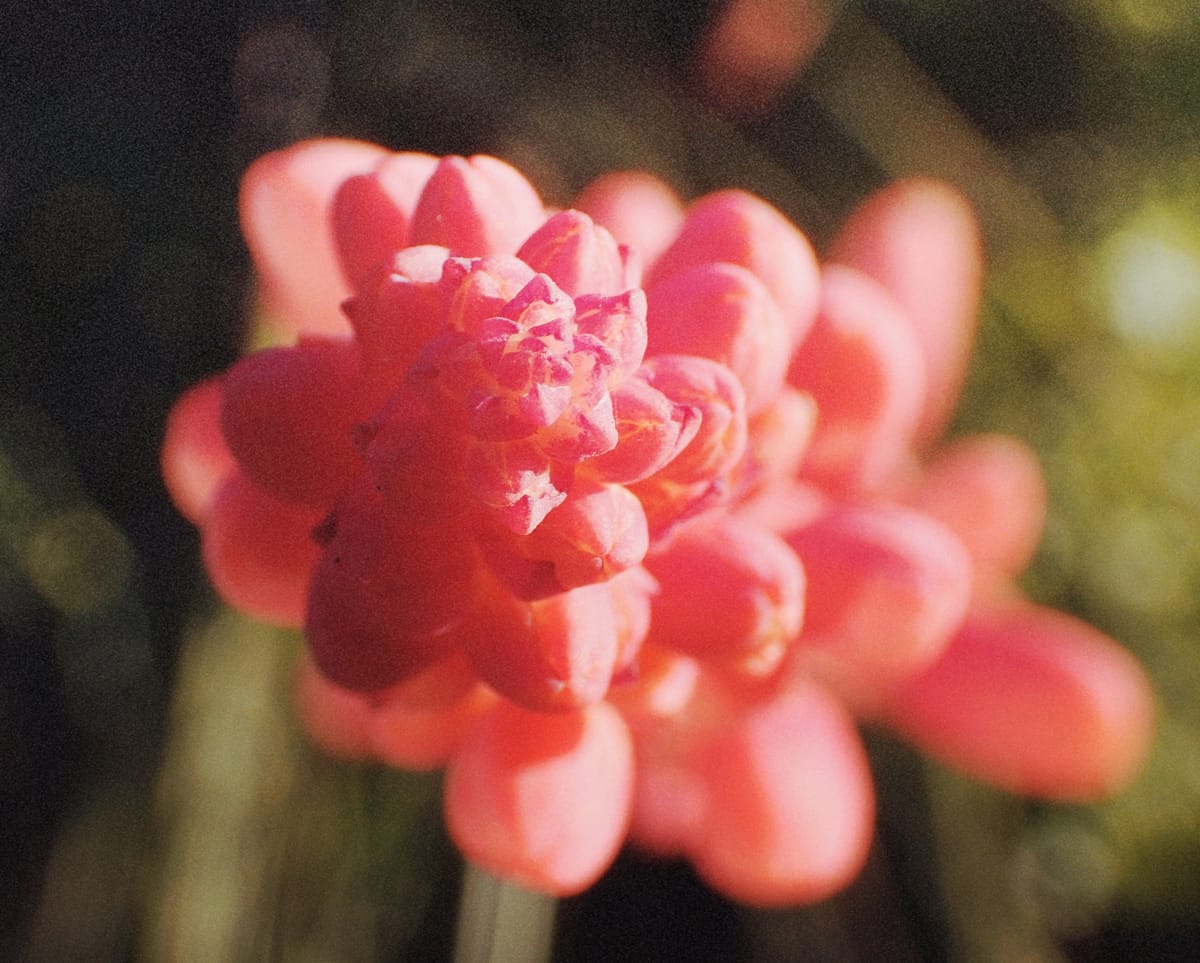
(624, 513)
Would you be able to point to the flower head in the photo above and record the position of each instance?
(625, 539)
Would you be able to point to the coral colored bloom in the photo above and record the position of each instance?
(625, 539)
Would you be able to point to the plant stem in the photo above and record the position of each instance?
(498, 921)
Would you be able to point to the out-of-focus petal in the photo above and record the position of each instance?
(289, 415)
(754, 49)
(742, 229)
(919, 239)
(259, 551)
(476, 206)
(337, 720)
(542, 800)
(863, 365)
(639, 210)
(988, 490)
(789, 806)
(421, 723)
(887, 588)
(1033, 701)
(778, 440)
(195, 457)
(286, 200)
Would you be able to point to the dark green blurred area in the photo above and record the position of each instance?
(156, 802)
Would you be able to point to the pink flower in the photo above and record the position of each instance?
(626, 540)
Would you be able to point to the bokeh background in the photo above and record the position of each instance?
(156, 802)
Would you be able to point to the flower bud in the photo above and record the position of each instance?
(371, 212)
(259, 551)
(1033, 701)
(195, 457)
(730, 593)
(739, 228)
(723, 312)
(918, 238)
(541, 800)
(476, 206)
(863, 366)
(579, 255)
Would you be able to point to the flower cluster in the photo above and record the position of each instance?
(624, 513)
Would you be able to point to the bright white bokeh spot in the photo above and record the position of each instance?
(1152, 283)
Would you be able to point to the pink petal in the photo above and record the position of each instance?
(475, 290)
(651, 431)
(887, 588)
(371, 212)
(397, 310)
(742, 229)
(632, 593)
(598, 531)
(550, 655)
(778, 440)
(195, 458)
(668, 804)
(699, 476)
(337, 720)
(716, 394)
(580, 256)
(1032, 701)
(289, 415)
(516, 482)
(919, 239)
(286, 199)
(640, 210)
(862, 364)
(415, 463)
(476, 206)
(421, 723)
(619, 322)
(723, 312)
(988, 490)
(730, 593)
(542, 800)
(388, 592)
(789, 806)
(259, 551)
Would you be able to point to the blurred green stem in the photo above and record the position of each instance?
(498, 921)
